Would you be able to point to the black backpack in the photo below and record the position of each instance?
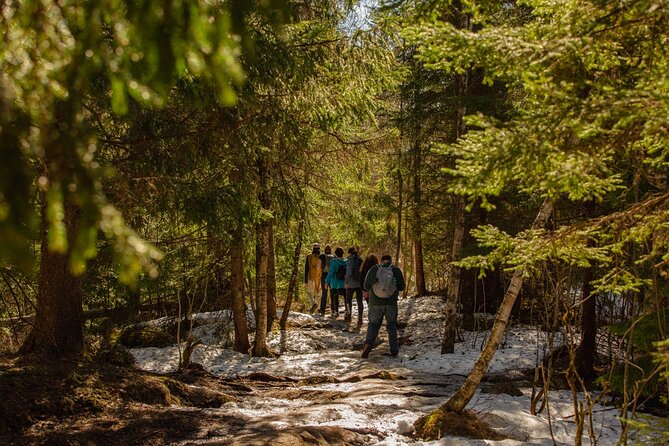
(341, 272)
(355, 270)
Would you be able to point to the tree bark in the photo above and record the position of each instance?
(450, 308)
(455, 272)
(416, 224)
(400, 205)
(237, 287)
(292, 284)
(271, 281)
(262, 259)
(587, 349)
(59, 321)
(458, 401)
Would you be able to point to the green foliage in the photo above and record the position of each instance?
(646, 330)
(187, 175)
(662, 357)
(581, 75)
(643, 378)
(52, 59)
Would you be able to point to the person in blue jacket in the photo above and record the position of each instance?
(335, 279)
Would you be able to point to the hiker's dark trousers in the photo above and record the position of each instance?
(376, 313)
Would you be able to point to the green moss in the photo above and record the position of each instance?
(465, 424)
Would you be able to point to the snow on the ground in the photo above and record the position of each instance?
(318, 346)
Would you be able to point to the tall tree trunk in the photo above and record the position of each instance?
(292, 284)
(458, 401)
(59, 322)
(271, 281)
(587, 349)
(455, 272)
(407, 256)
(419, 270)
(400, 205)
(237, 285)
(262, 259)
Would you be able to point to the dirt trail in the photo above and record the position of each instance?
(318, 392)
(377, 398)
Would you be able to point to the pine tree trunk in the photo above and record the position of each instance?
(237, 285)
(400, 205)
(587, 349)
(292, 284)
(262, 259)
(455, 272)
(59, 322)
(419, 270)
(451, 306)
(262, 255)
(271, 281)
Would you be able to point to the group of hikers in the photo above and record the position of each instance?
(378, 282)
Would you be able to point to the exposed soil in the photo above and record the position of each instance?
(99, 402)
(93, 403)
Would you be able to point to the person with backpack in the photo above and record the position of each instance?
(352, 285)
(383, 283)
(370, 260)
(335, 279)
(313, 272)
(326, 269)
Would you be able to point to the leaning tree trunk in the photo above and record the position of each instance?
(427, 425)
(455, 272)
(237, 286)
(271, 282)
(466, 392)
(59, 321)
(416, 224)
(292, 284)
(262, 259)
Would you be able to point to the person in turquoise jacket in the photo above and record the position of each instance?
(335, 279)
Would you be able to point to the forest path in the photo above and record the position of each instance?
(323, 382)
(376, 397)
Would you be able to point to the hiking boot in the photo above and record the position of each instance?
(359, 322)
(314, 307)
(394, 354)
(366, 348)
(347, 317)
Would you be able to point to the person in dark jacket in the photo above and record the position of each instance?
(370, 260)
(335, 279)
(326, 269)
(383, 283)
(353, 285)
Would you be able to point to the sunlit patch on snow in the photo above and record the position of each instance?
(320, 347)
